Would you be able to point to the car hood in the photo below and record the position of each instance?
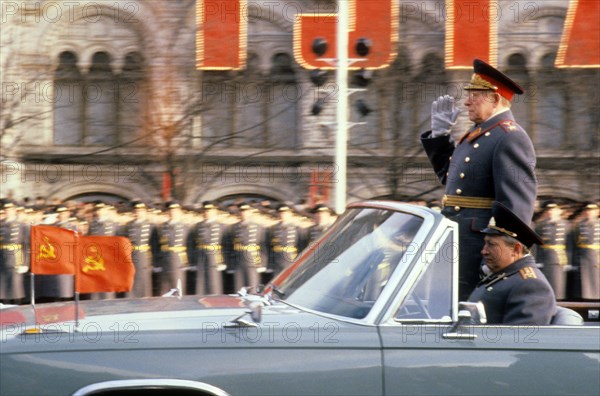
(141, 310)
(125, 319)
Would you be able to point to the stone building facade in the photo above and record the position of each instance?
(102, 99)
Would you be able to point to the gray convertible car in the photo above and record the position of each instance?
(370, 309)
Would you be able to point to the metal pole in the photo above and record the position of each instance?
(342, 106)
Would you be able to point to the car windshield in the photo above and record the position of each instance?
(344, 273)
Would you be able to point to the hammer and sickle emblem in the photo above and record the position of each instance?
(47, 250)
(94, 262)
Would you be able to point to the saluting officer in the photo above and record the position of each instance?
(12, 264)
(173, 236)
(553, 253)
(208, 238)
(248, 241)
(140, 232)
(284, 241)
(587, 239)
(493, 161)
(515, 291)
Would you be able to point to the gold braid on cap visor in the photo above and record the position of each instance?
(479, 83)
(503, 230)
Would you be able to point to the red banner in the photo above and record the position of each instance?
(375, 20)
(104, 264)
(221, 39)
(471, 32)
(580, 41)
(52, 250)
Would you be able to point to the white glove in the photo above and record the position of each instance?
(443, 116)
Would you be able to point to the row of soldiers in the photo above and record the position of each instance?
(570, 255)
(206, 250)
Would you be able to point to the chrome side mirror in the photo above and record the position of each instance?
(472, 312)
(469, 313)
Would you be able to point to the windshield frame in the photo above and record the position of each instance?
(397, 278)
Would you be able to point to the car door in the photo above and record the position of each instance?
(424, 354)
(491, 360)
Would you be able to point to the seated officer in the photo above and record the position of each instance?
(514, 291)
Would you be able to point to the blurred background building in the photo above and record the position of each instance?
(104, 100)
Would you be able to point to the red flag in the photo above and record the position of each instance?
(52, 250)
(104, 264)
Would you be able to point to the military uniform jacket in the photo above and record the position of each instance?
(519, 294)
(102, 228)
(208, 238)
(12, 264)
(554, 249)
(140, 234)
(173, 244)
(587, 240)
(284, 243)
(497, 160)
(248, 242)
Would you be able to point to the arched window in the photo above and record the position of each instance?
(401, 91)
(517, 71)
(281, 103)
(101, 102)
(131, 99)
(430, 83)
(551, 104)
(68, 101)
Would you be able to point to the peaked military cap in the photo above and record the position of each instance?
(283, 208)
(137, 204)
(486, 77)
(506, 222)
(172, 205)
(8, 204)
(244, 206)
(321, 208)
(208, 205)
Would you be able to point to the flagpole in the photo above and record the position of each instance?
(76, 310)
(76, 279)
(32, 289)
(31, 274)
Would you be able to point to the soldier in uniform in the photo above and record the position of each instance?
(553, 253)
(208, 236)
(140, 232)
(514, 291)
(248, 241)
(323, 219)
(173, 236)
(493, 161)
(102, 225)
(12, 263)
(284, 241)
(587, 247)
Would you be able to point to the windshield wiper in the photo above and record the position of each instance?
(280, 293)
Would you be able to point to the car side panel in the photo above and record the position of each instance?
(290, 360)
(502, 360)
